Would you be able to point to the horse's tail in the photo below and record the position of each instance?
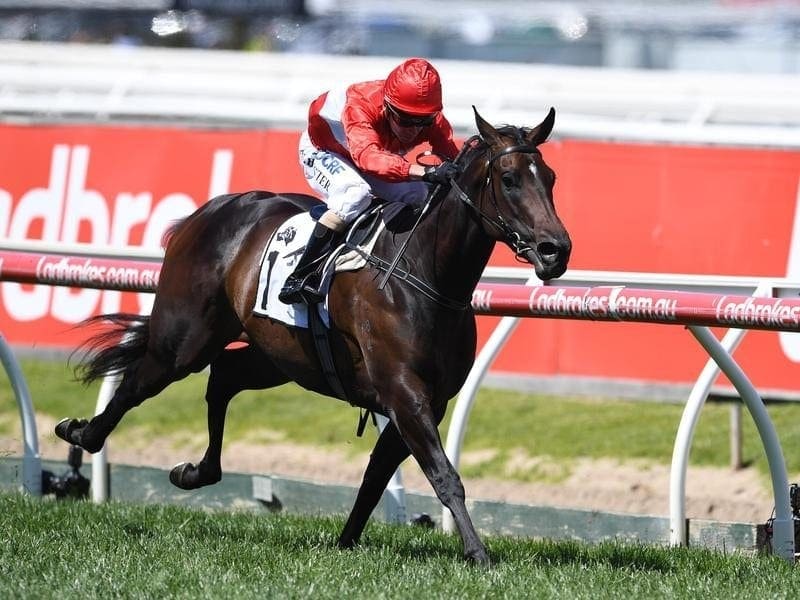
(113, 349)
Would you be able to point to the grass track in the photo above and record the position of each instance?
(60, 550)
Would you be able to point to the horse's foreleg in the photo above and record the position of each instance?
(417, 425)
(231, 372)
(390, 450)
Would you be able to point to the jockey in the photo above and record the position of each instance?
(353, 151)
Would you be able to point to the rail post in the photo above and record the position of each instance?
(31, 461)
(100, 483)
(686, 427)
(394, 497)
(783, 525)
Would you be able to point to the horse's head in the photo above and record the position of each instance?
(516, 201)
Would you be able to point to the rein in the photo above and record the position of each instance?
(434, 193)
(511, 237)
(410, 279)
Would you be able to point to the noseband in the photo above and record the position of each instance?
(512, 238)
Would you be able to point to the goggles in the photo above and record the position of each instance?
(406, 120)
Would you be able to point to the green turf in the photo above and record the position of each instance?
(69, 549)
(503, 424)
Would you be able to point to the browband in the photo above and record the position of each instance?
(524, 148)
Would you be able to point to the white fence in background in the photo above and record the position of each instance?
(71, 82)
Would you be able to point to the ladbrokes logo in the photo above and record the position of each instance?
(603, 303)
(65, 206)
(93, 273)
(755, 312)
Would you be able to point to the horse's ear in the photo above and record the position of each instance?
(488, 133)
(540, 133)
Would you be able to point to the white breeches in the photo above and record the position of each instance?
(347, 191)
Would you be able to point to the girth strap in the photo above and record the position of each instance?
(322, 343)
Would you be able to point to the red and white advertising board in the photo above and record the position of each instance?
(628, 207)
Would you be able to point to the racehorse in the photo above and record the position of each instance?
(402, 351)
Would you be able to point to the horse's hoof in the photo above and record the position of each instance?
(65, 429)
(189, 477)
(478, 557)
(346, 544)
(180, 476)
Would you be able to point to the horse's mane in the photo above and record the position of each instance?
(476, 145)
(170, 231)
(518, 134)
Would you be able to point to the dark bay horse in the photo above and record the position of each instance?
(403, 351)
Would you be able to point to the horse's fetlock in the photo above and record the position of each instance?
(209, 475)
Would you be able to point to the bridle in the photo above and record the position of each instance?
(511, 237)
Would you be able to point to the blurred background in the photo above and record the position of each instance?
(719, 35)
(677, 141)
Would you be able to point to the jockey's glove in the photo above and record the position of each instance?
(442, 173)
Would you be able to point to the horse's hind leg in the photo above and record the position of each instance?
(231, 372)
(140, 381)
(154, 355)
(390, 450)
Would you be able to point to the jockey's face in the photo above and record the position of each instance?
(404, 134)
(406, 128)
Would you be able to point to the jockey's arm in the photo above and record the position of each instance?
(416, 171)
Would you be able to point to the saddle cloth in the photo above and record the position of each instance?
(285, 248)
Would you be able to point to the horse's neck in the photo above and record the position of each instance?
(461, 247)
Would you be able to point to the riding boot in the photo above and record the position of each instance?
(303, 284)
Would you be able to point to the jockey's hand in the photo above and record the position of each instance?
(442, 173)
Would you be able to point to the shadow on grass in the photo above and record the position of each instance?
(419, 545)
(612, 554)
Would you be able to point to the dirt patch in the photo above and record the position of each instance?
(607, 485)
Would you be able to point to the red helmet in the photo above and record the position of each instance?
(414, 87)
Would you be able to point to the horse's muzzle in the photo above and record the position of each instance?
(550, 258)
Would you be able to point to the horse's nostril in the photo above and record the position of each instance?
(548, 251)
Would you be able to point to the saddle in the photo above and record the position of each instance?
(287, 244)
(352, 254)
(360, 238)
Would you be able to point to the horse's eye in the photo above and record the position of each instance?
(509, 180)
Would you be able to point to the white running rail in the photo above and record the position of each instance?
(571, 298)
